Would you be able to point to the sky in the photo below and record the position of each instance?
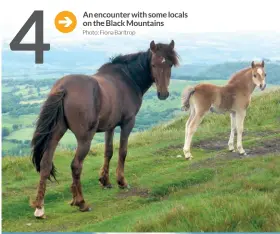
(203, 16)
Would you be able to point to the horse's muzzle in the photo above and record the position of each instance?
(162, 96)
(262, 87)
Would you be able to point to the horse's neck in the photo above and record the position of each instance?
(243, 80)
(143, 81)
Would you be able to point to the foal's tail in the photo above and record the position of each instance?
(187, 93)
(51, 114)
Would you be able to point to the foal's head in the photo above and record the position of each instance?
(258, 74)
(163, 58)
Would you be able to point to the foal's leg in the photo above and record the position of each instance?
(45, 169)
(191, 116)
(191, 129)
(104, 173)
(125, 131)
(233, 128)
(76, 166)
(240, 116)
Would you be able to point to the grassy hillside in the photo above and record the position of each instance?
(217, 191)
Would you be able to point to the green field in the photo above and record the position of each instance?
(153, 112)
(216, 191)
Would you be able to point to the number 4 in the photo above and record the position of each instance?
(39, 47)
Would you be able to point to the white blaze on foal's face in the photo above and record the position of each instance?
(259, 75)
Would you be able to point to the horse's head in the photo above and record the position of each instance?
(163, 58)
(258, 74)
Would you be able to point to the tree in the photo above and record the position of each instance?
(5, 131)
(15, 127)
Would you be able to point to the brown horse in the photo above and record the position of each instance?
(234, 97)
(89, 104)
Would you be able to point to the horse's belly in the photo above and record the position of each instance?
(108, 121)
(217, 110)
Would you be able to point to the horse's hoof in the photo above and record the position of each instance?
(107, 186)
(72, 203)
(84, 208)
(40, 213)
(126, 186)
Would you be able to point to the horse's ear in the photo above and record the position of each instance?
(172, 44)
(262, 63)
(253, 64)
(153, 46)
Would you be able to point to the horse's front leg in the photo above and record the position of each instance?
(232, 132)
(125, 131)
(240, 116)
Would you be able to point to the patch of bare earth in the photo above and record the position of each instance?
(221, 142)
(263, 148)
(134, 191)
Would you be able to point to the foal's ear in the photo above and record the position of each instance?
(172, 44)
(153, 46)
(262, 63)
(253, 64)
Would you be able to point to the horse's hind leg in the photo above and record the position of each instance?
(233, 128)
(104, 173)
(45, 169)
(76, 166)
(125, 131)
(190, 130)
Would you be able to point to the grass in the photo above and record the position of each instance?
(217, 191)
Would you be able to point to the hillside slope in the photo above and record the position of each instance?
(217, 191)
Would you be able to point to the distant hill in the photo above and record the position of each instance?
(225, 70)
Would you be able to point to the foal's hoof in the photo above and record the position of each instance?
(188, 156)
(243, 153)
(40, 213)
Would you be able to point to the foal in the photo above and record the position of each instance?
(233, 97)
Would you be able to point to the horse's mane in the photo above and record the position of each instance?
(136, 66)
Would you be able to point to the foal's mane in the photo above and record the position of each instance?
(238, 76)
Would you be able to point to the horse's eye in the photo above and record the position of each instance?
(153, 65)
(255, 75)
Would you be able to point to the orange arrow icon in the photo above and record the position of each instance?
(65, 21)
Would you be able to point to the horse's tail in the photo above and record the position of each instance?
(187, 93)
(51, 114)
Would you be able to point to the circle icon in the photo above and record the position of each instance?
(65, 21)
